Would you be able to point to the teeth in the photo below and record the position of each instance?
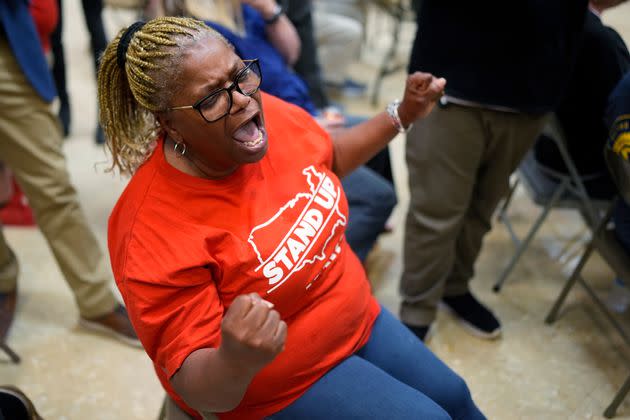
(257, 141)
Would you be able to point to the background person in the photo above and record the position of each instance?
(31, 145)
(460, 158)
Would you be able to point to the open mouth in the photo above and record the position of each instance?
(251, 133)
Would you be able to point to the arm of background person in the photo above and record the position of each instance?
(354, 146)
(281, 33)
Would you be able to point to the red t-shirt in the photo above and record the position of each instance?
(182, 248)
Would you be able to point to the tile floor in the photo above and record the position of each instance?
(566, 371)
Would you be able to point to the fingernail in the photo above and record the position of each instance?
(269, 304)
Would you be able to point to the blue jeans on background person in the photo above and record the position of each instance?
(371, 199)
(394, 376)
(621, 217)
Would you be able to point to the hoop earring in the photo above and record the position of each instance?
(181, 152)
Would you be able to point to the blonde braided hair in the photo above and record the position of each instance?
(129, 97)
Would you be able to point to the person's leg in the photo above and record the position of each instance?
(356, 389)
(338, 39)
(30, 142)
(93, 13)
(354, 9)
(621, 217)
(371, 199)
(443, 154)
(9, 267)
(300, 13)
(512, 135)
(394, 349)
(59, 72)
(6, 184)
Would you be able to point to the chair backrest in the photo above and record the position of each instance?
(546, 179)
(620, 172)
(15, 405)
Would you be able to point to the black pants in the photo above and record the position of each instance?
(307, 66)
(92, 11)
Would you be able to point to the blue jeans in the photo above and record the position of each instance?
(371, 199)
(394, 376)
(621, 216)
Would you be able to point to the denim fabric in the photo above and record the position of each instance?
(394, 376)
(371, 199)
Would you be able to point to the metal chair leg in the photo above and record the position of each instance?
(507, 201)
(12, 355)
(530, 235)
(616, 402)
(553, 314)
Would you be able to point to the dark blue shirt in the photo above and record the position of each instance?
(16, 24)
(618, 116)
(516, 54)
(277, 78)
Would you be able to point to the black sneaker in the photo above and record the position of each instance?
(420, 332)
(473, 316)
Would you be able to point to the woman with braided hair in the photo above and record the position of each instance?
(228, 243)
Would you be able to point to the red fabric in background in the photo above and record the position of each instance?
(45, 15)
(17, 212)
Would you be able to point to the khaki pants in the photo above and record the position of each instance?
(339, 42)
(459, 160)
(30, 144)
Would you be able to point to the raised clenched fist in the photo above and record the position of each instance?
(422, 91)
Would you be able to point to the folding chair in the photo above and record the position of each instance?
(605, 242)
(549, 189)
(400, 11)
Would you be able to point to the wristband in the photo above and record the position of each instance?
(392, 111)
(277, 12)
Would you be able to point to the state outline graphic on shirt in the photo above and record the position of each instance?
(302, 244)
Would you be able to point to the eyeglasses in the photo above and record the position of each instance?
(217, 104)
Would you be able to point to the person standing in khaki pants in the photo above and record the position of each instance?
(31, 145)
(506, 67)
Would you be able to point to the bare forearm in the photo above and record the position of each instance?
(284, 37)
(208, 382)
(356, 145)
(280, 31)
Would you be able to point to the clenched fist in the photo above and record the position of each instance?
(421, 93)
(252, 332)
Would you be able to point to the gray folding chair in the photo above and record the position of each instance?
(549, 189)
(606, 244)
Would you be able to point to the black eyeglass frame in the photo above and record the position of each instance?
(234, 86)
